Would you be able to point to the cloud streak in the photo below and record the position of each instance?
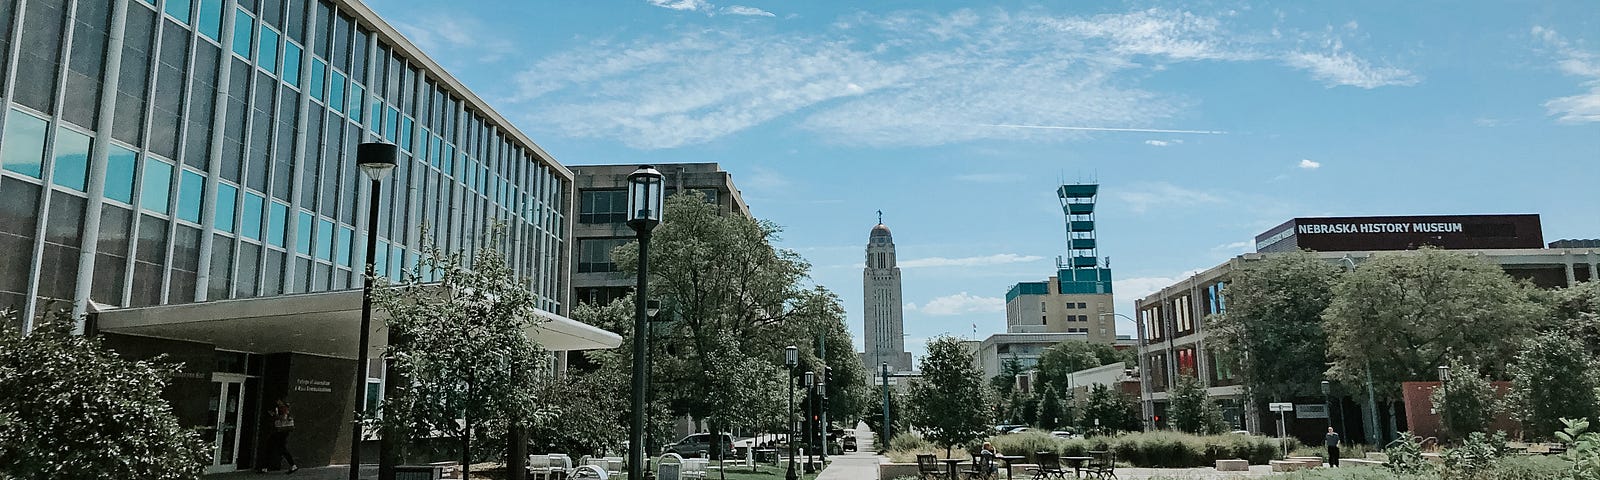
(1582, 107)
(958, 304)
(905, 79)
(979, 261)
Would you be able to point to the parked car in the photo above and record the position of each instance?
(1064, 434)
(1004, 429)
(849, 443)
(699, 445)
(1017, 430)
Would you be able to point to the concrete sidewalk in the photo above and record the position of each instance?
(861, 464)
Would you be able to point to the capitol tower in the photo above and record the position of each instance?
(883, 314)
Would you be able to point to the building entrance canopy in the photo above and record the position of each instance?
(324, 323)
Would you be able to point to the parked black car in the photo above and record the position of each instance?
(699, 445)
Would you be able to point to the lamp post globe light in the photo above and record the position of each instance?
(645, 200)
(377, 161)
(791, 359)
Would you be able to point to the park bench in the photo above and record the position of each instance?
(549, 466)
(1102, 464)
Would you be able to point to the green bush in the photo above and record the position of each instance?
(1153, 449)
(909, 441)
(1527, 468)
(1349, 473)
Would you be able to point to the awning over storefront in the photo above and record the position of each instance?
(323, 323)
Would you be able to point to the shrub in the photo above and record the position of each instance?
(1476, 453)
(1405, 455)
(1527, 468)
(909, 441)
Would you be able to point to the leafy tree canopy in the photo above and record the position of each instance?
(1401, 315)
(947, 403)
(1058, 362)
(1273, 324)
(69, 408)
(1192, 410)
(1552, 379)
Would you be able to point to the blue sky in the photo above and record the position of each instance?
(1205, 122)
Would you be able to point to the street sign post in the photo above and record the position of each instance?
(1281, 407)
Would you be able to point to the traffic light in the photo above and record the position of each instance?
(1156, 418)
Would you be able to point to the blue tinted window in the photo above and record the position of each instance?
(357, 100)
(396, 254)
(227, 199)
(156, 187)
(250, 222)
(22, 147)
(277, 221)
(179, 9)
(342, 246)
(302, 236)
(120, 164)
(449, 159)
(243, 27)
(434, 152)
(405, 133)
(291, 64)
(191, 191)
(210, 21)
(390, 118)
(380, 260)
(269, 50)
(71, 161)
(336, 85)
(318, 71)
(324, 239)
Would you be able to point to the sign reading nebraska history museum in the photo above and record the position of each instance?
(1332, 234)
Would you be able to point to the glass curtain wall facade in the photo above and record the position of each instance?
(174, 151)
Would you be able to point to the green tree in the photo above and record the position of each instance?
(1029, 413)
(1576, 312)
(1050, 410)
(1551, 379)
(69, 408)
(1192, 410)
(947, 404)
(1107, 411)
(737, 302)
(1273, 324)
(1400, 315)
(1465, 401)
(458, 331)
(1005, 382)
(874, 416)
(1058, 362)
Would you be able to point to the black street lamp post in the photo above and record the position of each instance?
(1327, 402)
(377, 161)
(811, 407)
(791, 359)
(888, 425)
(645, 199)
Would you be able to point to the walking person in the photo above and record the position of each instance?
(282, 424)
(1332, 441)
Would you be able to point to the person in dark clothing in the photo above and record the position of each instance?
(1332, 441)
(282, 424)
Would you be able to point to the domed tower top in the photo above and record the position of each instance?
(880, 231)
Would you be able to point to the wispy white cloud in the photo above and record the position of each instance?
(1140, 287)
(747, 11)
(979, 261)
(448, 37)
(958, 304)
(904, 79)
(684, 5)
(1239, 246)
(1583, 107)
(991, 177)
(1335, 66)
(1309, 164)
(1157, 143)
(1142, 197)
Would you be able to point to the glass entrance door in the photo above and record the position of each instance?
(227, 414)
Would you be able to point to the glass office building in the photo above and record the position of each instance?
(183, 172)
(173, 151)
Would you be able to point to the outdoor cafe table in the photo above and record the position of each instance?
(1078, 463)
(1009, 460)
(951, 464)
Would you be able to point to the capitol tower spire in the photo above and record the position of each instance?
(883, 314)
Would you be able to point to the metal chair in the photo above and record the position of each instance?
(1049, 466)
(982, 467)
(928, 467)
(1102, 464)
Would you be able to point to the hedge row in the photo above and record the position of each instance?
(1153, 449)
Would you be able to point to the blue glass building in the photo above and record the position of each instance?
(183, 171)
